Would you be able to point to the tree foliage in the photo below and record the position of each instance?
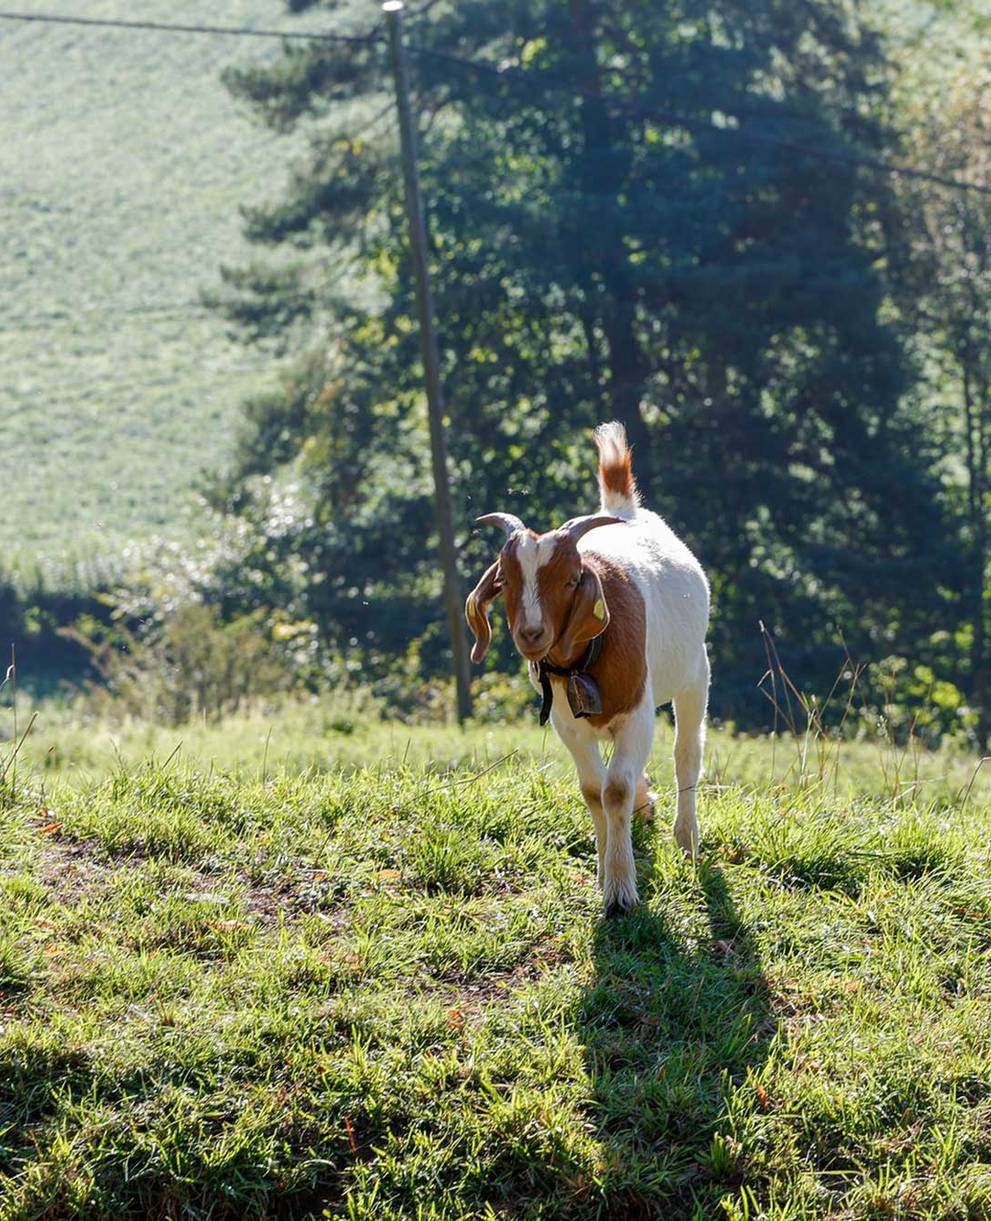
(942, 280)
(637, 211)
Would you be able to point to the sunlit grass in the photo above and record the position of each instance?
(254, 979)
(334, 733)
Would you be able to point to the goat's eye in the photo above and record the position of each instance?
(572, 582)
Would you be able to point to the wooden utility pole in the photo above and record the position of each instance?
(431, 359)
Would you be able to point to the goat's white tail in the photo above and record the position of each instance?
(617, 486)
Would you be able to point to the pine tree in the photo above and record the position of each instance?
(637, 211)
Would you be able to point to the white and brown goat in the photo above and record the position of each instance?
(637, 590)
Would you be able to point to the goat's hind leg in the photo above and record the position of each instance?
(689, 739)
(645, 799)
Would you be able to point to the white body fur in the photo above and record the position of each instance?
(675, 593)
(676, 598)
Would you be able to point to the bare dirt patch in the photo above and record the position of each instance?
(72, 870)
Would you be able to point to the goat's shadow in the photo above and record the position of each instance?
(677, 1011)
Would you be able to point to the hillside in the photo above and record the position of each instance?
(122, 170)
(123, 165)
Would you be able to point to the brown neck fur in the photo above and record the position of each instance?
(621, 667)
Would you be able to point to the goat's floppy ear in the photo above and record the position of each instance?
(477, 610)
(589, 614)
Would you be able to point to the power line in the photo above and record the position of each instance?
(373, 35)
(860, 160)
(531, 81)
(365, 128)
(72, 313)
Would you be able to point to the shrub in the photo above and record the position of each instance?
(195, 666)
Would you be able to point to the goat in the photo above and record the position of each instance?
(612, 626)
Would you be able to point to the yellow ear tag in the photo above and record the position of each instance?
(599, 609)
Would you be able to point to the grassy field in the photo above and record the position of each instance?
(123, 166)
(235, 983)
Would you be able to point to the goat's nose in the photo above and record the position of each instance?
(530, 635)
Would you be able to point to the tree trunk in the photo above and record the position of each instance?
(977, 470)
(979, 679)
(627, 374)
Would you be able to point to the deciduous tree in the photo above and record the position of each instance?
(943, 274)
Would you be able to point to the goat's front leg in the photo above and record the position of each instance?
(623, 777)
(584, 748)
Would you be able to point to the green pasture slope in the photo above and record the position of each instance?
(384, 990)
(122, 167)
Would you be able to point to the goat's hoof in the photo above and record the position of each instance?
(615, 910)
(687, 839)
(620, 900)
(645, 801)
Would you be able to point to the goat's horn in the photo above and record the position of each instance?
(578, 526)
(509, 521)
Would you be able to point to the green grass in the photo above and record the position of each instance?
(385, 990)
(124, 164)
(344, 732)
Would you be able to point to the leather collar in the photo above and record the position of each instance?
(545, 670)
